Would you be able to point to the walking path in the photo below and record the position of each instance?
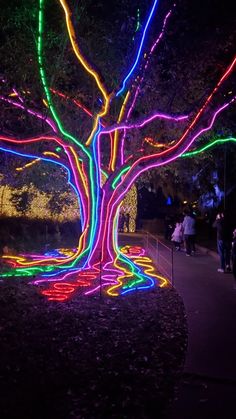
(208, 387)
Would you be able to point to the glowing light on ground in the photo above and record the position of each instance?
(144, 276)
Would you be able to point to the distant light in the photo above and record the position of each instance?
(185, 202)
(169, 201)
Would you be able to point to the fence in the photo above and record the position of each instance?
(161, 253)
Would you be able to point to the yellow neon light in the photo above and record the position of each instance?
(145, 261)
(116, 136)
(82, 176)
(18, 258)
(46, 153)
(86, 65)
(153, 144)
(45, 103)
(66, 252)
(99, 115)
(127, 273)
(19, 169)
(50, 153)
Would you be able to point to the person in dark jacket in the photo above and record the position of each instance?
(223, 242)
(189, 230)
(127, 218)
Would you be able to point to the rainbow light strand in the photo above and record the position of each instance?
(97, 263)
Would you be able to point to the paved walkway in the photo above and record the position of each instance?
(208, 388)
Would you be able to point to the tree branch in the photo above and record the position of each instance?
(142, 122)
(37, 114)
(152, 49)
(79, 184)
(167, 156)
(139, 49)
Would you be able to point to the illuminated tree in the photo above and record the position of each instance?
(103, 148)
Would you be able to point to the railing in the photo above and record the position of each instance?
(161, 253)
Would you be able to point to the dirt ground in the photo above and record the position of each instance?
(89, 358)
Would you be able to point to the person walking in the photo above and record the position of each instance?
(168, 223)
(177, 236)
(189, 230)
(121, 222)
(223, 242)
(127, 218)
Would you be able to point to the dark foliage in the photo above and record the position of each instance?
(91, 357)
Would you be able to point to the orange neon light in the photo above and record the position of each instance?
(19, 169)
(50, 153)
(87, 66)
(153, 144)
(116, 135)
(81, 172)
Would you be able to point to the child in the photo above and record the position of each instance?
(177, 236)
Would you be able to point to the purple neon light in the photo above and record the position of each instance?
(100, 226)
(164, 161)
(148, 60)
(143, 123)
(19, 96)
(139, 85)
(30, 111)
(78, 187)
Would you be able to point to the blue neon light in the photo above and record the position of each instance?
(97, 174)
(140, 48)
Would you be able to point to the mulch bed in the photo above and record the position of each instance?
(90, 358)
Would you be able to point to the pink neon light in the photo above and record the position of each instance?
(61, 290)
(155, 164)
(75, 101)
(59, 141)
(145, 122)
(96, 289)
(139, 85)
(148, 60)
(33, 139)
(167, 160)
(78, 186)
(162, 153)
(37, 114)
(19, 97)
(225, 75)
(100, 225)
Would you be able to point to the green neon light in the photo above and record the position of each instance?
(126, 261)
(27, 271)
(138, 21)
(105, 174)
(116, 180)
(138, 26)
(58, 122)
(44, 79)
(205, 147)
